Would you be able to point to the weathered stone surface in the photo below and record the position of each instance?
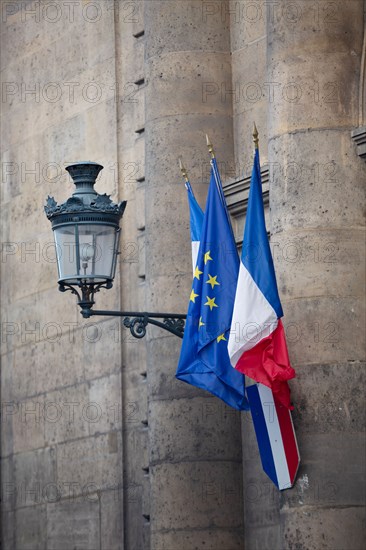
(52, 351)
(165, 146)
(34, 372)
(90, 464)
(310, 180)
(31, 530)
(9, 407)
(250, 86)
(29, 320)
(334, 529)
(329, 328)
(135, 439)
(309, 59)
(189, 89)
(320, 485)
(105, 405)
(194, 429)
(162, 382)
(29, 423)
(328, 399)
(8, 485)
(8, 529)
(211, 539)
(111, 509)
(166, 27)
(312, 255)
(132, 510)
(34, 254)
(35, 474)
(134, 409)
(198, 495)
(66, 414)
(74, 524)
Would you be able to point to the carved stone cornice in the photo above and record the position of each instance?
(359, 137)
(237, 192)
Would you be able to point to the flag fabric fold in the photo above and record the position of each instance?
(204, 361)
(196, 221)
(257, 344)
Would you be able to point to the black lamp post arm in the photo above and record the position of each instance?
(138, 321)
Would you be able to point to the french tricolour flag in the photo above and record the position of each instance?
(257, 345)
(275, 435)
(196, 221)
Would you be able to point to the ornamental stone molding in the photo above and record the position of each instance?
(359, 137)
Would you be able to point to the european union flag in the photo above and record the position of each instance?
(204, 361)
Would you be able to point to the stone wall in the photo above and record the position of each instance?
(61, 446)
(101, 448)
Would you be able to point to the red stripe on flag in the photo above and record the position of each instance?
(268, 363)
(288, 438)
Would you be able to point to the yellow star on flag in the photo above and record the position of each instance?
(212, 281)
(221, 337)
(207, 257)
(211, 303)
(197, 273)
(200, 323)
(193, 296)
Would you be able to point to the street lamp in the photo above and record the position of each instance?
(86, 231)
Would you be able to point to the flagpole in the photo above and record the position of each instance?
(184, 172)
(210, 147)
(255, 136)
(216, 174)
(219, 184)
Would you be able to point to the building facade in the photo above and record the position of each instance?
(101, 447)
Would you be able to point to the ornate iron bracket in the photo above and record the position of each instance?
(134, 320)
(137, 321)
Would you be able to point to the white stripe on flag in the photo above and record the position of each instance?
(275, 437)
(195, 248)
(253, 317)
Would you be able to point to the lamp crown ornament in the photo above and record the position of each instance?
(84, 175)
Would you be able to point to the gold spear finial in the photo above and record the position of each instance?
(183, 170)
(255, 136)
(210, 147)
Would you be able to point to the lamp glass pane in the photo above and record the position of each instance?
(65, 250)
(86, 252)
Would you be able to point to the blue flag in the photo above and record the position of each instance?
(204, 361)
(196, 221)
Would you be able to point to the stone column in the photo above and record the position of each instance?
(194, 440)
(250, 88)
(314, 59)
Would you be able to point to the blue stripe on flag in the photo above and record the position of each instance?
(256, 254)
(261, 432)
